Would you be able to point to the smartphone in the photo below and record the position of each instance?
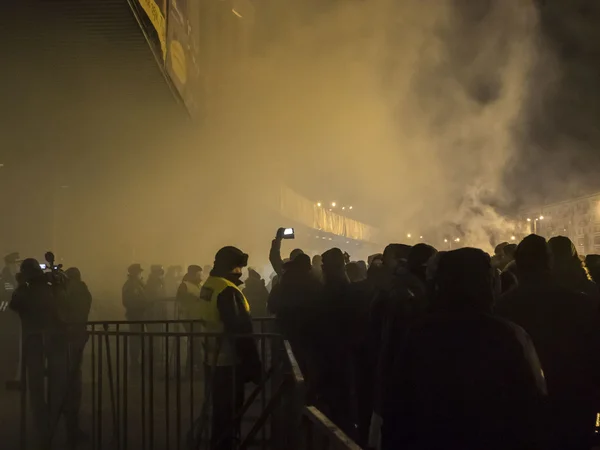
(288, 233)
(43, 266)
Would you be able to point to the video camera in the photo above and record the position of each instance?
(56, 276)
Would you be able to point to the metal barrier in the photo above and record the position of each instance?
(148, 385)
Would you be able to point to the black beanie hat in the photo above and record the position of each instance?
(228, 258)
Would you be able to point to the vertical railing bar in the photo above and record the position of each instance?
(191, 350)
(119, 400)
(94, 386)
(167, 396)
(100, 381)
(125, 390)
(143, 391)
(151, 391)
(178, 391)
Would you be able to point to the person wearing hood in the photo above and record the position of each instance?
(564, 325)
(332, 337)
(256, 293)
(403, 302)
(230, 362)
(293, 301)
(462, 377)
(568, 270)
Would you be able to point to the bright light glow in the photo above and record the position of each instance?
(457, 240)
(236, 13)
(541, 217)
(343, 207)
(446, 240)
(333, 204)
(512, 238)
(420, 237)
(528, 219)
(409, 235)
(350, 207)
(319, 204)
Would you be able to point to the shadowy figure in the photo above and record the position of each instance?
(463, 378)
(256, 293)
(564, 326)
(568, 270)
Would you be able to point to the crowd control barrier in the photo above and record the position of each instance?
(148, 386)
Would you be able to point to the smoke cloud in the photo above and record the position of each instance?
(409, 110)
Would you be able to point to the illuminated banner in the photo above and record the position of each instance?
(181, 64)
(156, 13)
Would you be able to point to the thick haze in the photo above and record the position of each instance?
(409, 111)
(418, 115)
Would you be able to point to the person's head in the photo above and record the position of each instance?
(317, 262)
(464, 281)
(135, 271)
(73, 274)
(302, 263)
(30, 269)
(418, 257)
(294, 253)
(194, 274)
(532, 257)
(563, 252)
(334, 264)
(230, 261)
(509, 252)
(395, 255)
(157, 270)
(373, 258)
(354, 273)
(253, 274)
(499, 249)
(11, 262)
(362, 266)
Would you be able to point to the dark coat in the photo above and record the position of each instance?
(464, 380)
(565, 327)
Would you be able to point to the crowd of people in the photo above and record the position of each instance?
(420, 349)
(413, 349)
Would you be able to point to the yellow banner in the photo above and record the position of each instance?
(158, 21)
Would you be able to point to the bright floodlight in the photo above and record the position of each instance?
(409, 235)
(350, 207)
(457, 239)
(528, 219)
(446, 240)
(512, 238)
(333, 204)
(343, 207)
(420, 237)
(541, 217)
(319, 204)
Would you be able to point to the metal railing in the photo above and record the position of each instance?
(149, 385)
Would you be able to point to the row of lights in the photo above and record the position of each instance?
(333, 205)
(536, 219)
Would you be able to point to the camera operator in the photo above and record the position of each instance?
(43, 339)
